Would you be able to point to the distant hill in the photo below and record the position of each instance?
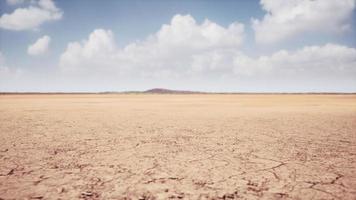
(167, 91)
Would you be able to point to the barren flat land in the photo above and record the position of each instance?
(192, 146)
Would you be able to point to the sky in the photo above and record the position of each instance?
(200, 45)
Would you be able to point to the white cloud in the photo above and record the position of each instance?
(182, 49)
(41, 46)
(48, 5)
(184, 31)
(99, 53)
(330, 60)
(285, 19)
(182, 52)
(174, 45)
(32, 17)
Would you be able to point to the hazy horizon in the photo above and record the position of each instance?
(207, 46)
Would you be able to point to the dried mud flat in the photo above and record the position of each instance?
(142, 146)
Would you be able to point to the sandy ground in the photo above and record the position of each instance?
(177, 146)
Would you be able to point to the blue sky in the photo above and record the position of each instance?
(273, 46)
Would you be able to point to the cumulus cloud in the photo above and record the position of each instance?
(285, 19)
(32, 17)
(183, 31)
(329, 60)
(182, 51)
(174, 46)
(41, 46)
(99, 51)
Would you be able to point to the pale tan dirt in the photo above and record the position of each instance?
(177, 146)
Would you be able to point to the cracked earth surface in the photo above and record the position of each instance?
(139, 146)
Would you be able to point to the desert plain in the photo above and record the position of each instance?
(177, 146)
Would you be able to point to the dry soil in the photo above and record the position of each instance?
(145, 146)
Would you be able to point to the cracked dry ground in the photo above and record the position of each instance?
(177, 146)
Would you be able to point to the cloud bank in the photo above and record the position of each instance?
(32, 17)
(185, 48)
(174, 46)
(326, 61)
(286, 19)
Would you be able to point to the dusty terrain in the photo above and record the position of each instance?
(142, 146)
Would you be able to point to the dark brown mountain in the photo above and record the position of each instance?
(168, 91)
